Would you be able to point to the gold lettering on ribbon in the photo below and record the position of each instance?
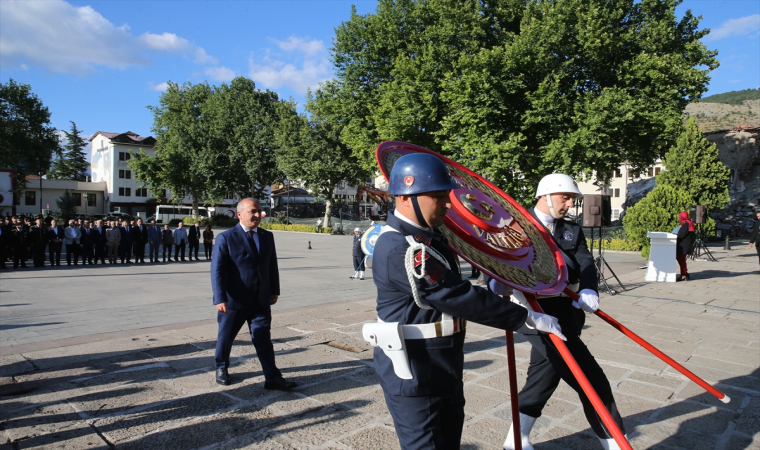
(510, 238)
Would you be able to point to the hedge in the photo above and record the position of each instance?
(616, 244)
(298, 228)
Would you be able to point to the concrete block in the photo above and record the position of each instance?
(661, 380)
(696, 417)
(336, 390)
(80, 437)
(479, 400)
(644, 390)
(14, 365)
(372, 439)
(484, 362)
(749, 422)
(319, 426)
(29, 422)
(105, 403)
(488, 430)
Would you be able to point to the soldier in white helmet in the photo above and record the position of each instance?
(555, 195)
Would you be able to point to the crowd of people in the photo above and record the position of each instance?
(98, 241)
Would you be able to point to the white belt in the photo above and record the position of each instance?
(448, 326)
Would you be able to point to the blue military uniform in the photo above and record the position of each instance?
(428, 410)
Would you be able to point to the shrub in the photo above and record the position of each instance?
(616, 244)
(297, 228)
(658, 211)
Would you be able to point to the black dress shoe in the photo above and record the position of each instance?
(222, 377)
(279, 384)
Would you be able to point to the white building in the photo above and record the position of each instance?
(41, 195)
(617, 188)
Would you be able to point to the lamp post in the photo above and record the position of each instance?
(86, 194)
(42, 213)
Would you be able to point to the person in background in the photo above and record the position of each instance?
(125, 243)
(194, 239)
(39, 240)
(319, 225)
(358, 254)
(154, 240)
(684, 243)
(208, 241)
(55, 239)
(72, 236)
(100, 247)
(113, 240)
(167, 240)
(180, 240)
(140, 234)
(89, 239)
(754, 239)
(21, 245)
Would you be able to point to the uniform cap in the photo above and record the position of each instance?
(555, 183)
(417, 173)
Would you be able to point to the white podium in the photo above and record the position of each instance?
(662, 257)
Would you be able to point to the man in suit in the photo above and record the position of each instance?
(140, 238)
(90, 237)
(55, 239)
(39, 239)
(154, 240)
(246, 281)
(113, 239)
(194, 239)
(180, 241)
(555, 196)
(72, 236)
(100, 248)
(125, 245)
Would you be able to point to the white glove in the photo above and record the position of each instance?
(588, 301)
(544, 323)
(499, 288)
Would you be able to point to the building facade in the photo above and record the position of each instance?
(41, 195)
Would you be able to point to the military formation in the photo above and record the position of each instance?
(90, 242)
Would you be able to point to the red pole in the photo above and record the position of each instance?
(513, 390)
(601, 410)
(721, 396)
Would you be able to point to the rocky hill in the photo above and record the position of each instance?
(723, 116)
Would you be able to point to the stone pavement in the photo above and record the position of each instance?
(153, 388)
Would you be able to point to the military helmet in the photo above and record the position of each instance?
(417, 173)
(557, 183)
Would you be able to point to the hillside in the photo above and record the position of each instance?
(733, 97)
(722, 116)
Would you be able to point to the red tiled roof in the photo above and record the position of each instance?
(130, 135)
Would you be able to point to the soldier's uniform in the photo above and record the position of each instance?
(20, 239)
(425, 293)
(38, 236)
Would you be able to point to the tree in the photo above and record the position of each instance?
(516, 90)
(693, 165)
(240, 155)
(27, 141)
(311, 150)
(658, 211)
(67, 207)
(181, 136)
(72, 162)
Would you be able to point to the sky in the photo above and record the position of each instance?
(101, 63)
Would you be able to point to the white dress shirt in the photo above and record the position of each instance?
(255, 234)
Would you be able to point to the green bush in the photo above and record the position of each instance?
(658, 211)
(298, 228)
(626, 245)
(217, 220)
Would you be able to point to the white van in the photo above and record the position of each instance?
(165, 213)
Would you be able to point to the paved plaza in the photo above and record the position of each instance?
(122, 357)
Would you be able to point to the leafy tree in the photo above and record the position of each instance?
(181, 136)
(658, 211)
(67, 207)
(311, 150)
(733, 97)
(240, 155)
(72, 163)
(27, 141)
(516, 90)
(693, 165)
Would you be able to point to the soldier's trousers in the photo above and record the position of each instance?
(112, 251)
(39, 256)
(430, 422)
(547, 367)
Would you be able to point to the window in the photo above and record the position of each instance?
(615, 192)
(91, 200)
(141, 192)
(657, 171)
(126, 174)
(77, 198)
(615, 213)
(124, 156)
(650, 172)
(121, 173)
(30, 198)
(618, 173)
(125, 192)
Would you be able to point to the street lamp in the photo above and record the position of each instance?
(42, 213)
(86, 194)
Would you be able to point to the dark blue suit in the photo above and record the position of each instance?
(245, 277)
(125, 245)
(428, 410)
(90, 238)
(154, 241)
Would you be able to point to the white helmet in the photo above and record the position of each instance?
(357, 229)
(555, 183)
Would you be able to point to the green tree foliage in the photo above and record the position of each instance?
(658, 211)
(312, 151)
(733, 97)
(27, 141)
(693, 165)
(516, 90)
(72, 163)
(67, 207)
(240, 155)
(181, 137)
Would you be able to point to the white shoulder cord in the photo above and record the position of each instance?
(409, 265)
